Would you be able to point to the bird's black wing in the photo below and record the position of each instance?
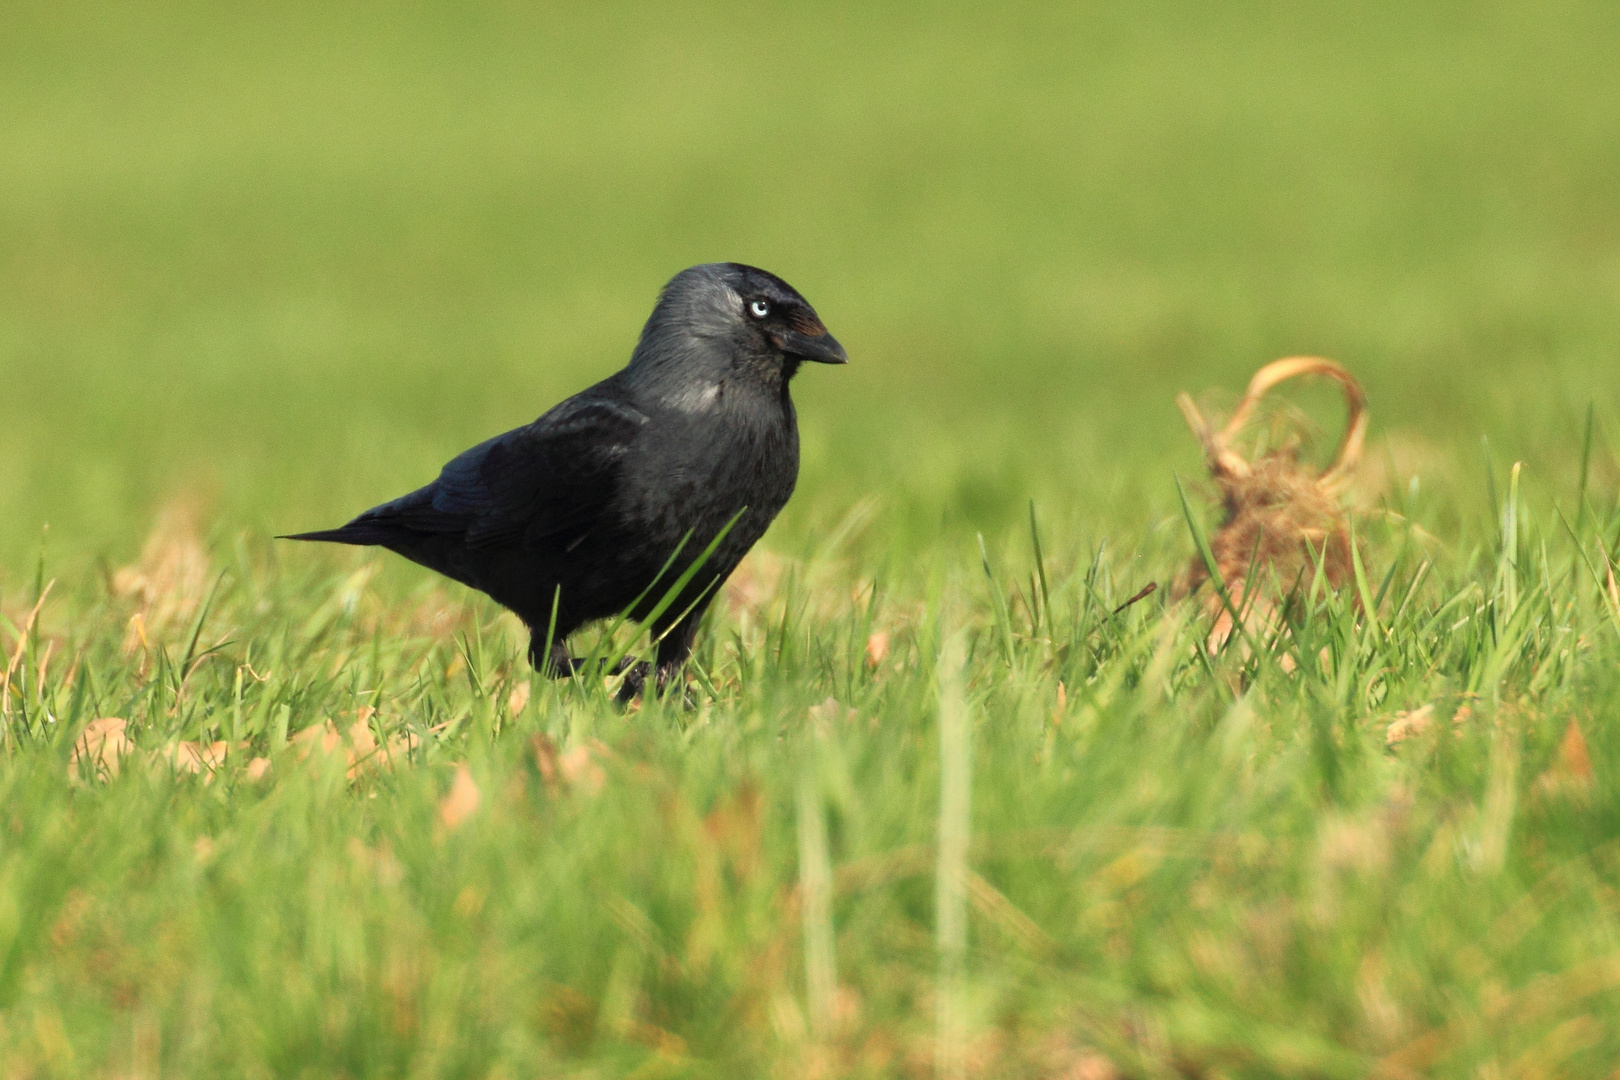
(544, 481)
(547, 481)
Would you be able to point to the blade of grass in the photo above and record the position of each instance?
(950, 889)
(1586, 465)
(815, 887)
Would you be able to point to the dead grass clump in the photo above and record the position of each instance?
(170, 578)
(1282, 519)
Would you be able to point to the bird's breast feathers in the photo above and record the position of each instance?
(696, 399)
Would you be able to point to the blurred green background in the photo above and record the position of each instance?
(279, 262)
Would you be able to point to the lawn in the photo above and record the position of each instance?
(931, 802)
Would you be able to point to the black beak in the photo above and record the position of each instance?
(820, 348)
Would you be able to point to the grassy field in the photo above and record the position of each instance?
(930, 805)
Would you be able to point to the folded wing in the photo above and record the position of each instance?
(545, 483)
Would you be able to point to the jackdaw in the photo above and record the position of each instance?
(613, 494)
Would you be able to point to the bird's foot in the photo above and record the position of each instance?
(635, 681)
(560, 665)
(569, 666)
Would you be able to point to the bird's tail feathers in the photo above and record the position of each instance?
(360, 533)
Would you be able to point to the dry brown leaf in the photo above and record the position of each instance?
(518, 699)
(461, 802)
(1570, 773)
(736, 826)
(1354, 844)
(877, 647)
(322, 737)
(579, 766)
(101, 748)
(1573, 758)
(1409, 724)
(361, 740)
(193, 757)
(545, 758)
(257, 769)
(829, 711)
(1090, 1065)
(396, 750)
(358, 745)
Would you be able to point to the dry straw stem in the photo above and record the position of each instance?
(22, 647)
(1281, 520)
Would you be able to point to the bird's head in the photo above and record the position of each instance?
(744, 314)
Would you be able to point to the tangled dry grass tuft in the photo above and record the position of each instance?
(1283, 522)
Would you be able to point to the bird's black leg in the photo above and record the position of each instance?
(558, 664)
(561, 665)
(673, 651)
(677, 646)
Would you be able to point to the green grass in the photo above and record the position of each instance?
(260, 269)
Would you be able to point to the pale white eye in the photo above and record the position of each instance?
(759, 309)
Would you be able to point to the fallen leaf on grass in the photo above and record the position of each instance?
(877, 647)
(1573, 758)
(1090, 1065)
(193, 757)
(1409, 724)
(518, 699)
(1571, 770)
(323, 737)
(823, 715)
(577, 766)
(736, 825)
(361, 741)
(359, 745)
(545, 757)
(101, 748)
(462, 800)
(104, 743)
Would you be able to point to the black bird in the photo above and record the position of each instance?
(579, 512)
